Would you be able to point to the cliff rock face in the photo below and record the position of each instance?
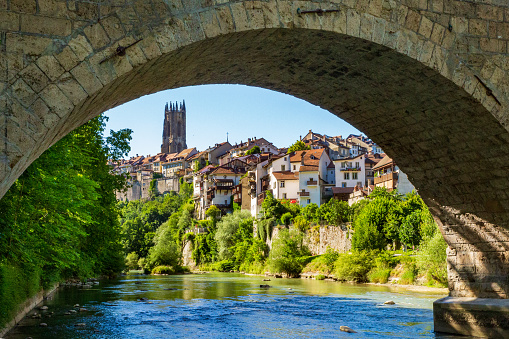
(187, 255)
(336, 237)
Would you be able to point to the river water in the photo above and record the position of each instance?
(229, 305)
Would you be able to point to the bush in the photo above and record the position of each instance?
(330, 258)
(224, 266)
(131, 261)
(319, 277)
(431, 260)
(354, 267)
(163, 270)
(288, 255)
(286, 218)
(408, 275)
(379, 275)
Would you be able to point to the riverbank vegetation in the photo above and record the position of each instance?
(59, 219)
(394, 238)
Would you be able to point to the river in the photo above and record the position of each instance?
(229, 305)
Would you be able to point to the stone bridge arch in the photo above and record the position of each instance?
(427, 80)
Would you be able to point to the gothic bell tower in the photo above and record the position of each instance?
(174, 128)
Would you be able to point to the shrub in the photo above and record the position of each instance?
(329, 257)
(319, 277)
(288, 254)
(354, 266)
(223, 266)
(379, 275)
(286, 218)
(431, 260)
(408, 275)
(131, 261)
(163, 270)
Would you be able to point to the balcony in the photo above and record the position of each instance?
(350, 169)
(237, 200)
(386, 177)
(260, 198)
(312, 182)
(303, 194)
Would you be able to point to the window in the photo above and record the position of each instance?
(355, 176)
(284, 195)
(346, 176)
(226, 202)
(308, 201)
(274, 185)
(282, 167)
(294, 167)
(282, 184)
(343, 184)
(284, 158)
(343, 164)
(357, 164)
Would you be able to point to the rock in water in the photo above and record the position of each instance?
(264, 286)
(43, 324)
(389, 302)
(266, 279)
(42, 308)
(346, 329)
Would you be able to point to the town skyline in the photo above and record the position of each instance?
(250, 112)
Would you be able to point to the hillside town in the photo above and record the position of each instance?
(344, 168)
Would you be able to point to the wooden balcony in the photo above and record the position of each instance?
(386, 177)
(303, 194)
(260, 198)
(312, 182)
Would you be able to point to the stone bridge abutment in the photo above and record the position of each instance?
(426, 79)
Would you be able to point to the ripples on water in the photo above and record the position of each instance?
(232, 306)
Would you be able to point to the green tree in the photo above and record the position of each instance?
(298, 145)
(369, 225)
(232, 229)
(271, 207)
(152, 191)
(254, 150)
(288, 253)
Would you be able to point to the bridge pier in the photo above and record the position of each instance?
(478, 274)
(479, 317)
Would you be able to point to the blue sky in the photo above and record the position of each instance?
(213, 110)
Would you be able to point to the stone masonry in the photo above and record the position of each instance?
(427, 80)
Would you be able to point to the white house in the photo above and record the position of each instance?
(350, 172)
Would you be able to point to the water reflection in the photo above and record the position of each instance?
(232, 305)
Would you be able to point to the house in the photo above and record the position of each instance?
(370, 161)
(350, 172)
(387, 174)
(176, 163)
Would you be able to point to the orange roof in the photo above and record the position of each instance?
(308, 157)
(308, 168)
(226, 170)
(385, 161)
(285, 175)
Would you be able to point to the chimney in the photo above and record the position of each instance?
(300, 137)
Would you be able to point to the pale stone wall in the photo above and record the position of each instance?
(337, 238)
(187, 255)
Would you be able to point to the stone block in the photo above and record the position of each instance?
(23, 92)
(50, 66)
(113, 27)
(23, 6)
(478, 27)
(54, 8)
(67, 58)
(56, 100)
(71, 88)
(97, 36)
(45, 25)
(9, 21)
(34, 77)
(81, 47)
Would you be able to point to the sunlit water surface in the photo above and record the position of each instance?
(222, 305)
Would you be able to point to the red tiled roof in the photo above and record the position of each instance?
(285, 175)
(227, 170)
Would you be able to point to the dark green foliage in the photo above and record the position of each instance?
(298, 145)
(334, 212)
(271, 207)
(286, 218)
(152, 191)
(60, 217)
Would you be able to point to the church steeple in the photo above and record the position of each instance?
(174, 128)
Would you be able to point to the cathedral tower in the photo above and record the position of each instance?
(174, 128)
